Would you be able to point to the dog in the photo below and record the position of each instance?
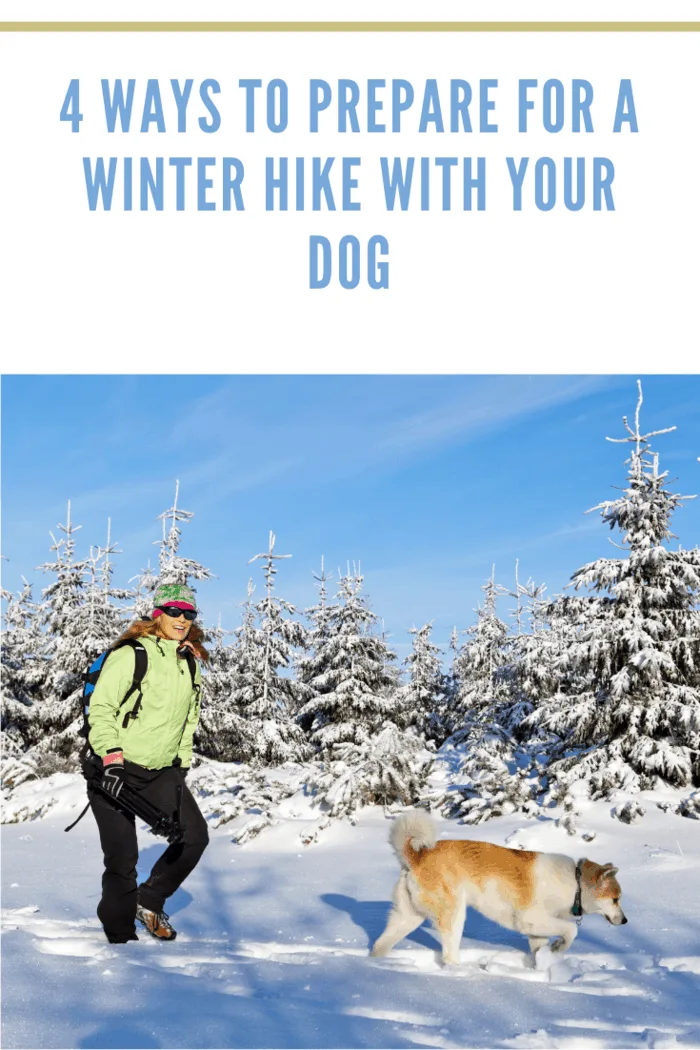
(541, 895)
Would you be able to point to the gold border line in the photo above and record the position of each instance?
(349, 27)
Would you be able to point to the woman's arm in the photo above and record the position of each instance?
(112, 686)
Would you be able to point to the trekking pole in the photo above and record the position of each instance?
(131, 802)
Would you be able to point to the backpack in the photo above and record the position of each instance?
(93, 672)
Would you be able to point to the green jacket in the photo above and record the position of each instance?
(169, 712)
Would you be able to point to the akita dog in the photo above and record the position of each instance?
(541, 895)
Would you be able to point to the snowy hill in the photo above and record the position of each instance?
(273, 940)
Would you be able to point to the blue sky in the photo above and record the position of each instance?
(426, 480)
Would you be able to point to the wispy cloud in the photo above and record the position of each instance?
(304, 430)
(565, 532)
(494, 403)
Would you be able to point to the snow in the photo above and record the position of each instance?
(273, 939)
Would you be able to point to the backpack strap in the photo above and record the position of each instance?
(140, 668)
(192, 664)
(196, 687)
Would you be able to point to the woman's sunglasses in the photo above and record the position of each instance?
(172, 610)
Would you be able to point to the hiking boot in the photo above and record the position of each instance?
(156, 922)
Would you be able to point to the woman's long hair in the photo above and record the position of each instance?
(142, 627)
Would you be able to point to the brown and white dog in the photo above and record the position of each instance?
(538, 894)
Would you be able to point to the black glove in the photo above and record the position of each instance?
(113, 776)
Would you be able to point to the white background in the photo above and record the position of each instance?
(469, 292)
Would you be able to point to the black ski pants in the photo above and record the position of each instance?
(117, 908)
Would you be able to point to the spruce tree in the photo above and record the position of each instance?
(365, 757)
(531, 654)
(268, 697)
(387, 769)
(224, 733)
(355, 684)
(422, 699)
(59, 709)
(24, 670)
(313, 662)
(87, 613)
(172, 567)
(447, 720)
(491, 778)
(142, 595)
(634, 719)
(481, 688)
(100, 617)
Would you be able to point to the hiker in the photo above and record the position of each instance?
(147, 745)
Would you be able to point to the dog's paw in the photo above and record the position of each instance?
(542, 959)
(378, 952)
(558, 944)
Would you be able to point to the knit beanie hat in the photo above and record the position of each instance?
(178, 594)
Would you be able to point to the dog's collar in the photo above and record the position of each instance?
(577, 909)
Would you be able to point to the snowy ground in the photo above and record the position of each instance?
(272, 948)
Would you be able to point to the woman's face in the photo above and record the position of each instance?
(174, 627)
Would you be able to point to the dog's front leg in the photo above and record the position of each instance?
(539, 928)
(536, 943)
(566, 939)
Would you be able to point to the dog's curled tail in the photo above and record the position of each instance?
(411, 833)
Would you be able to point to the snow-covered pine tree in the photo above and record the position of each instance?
(356, 684)
(92, 625)
(172, 567)
(62, 599)
(366, 758)
(313, 662)
(268, 697)
(24, 669)
(544, 670)
(481, 686)
(634, 720)
(100, 618)
(422, 698)
(387, 769)
(531, 658)
(245, 634)
(494, 776)
(224, 733)
(451, 684)
(142, 595)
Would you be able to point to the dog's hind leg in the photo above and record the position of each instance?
(450, 924)
(403, 919)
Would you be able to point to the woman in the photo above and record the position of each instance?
(147, 744)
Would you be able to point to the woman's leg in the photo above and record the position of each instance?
(179, 859)
(117, 908)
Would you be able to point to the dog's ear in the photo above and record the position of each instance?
(606, 872)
